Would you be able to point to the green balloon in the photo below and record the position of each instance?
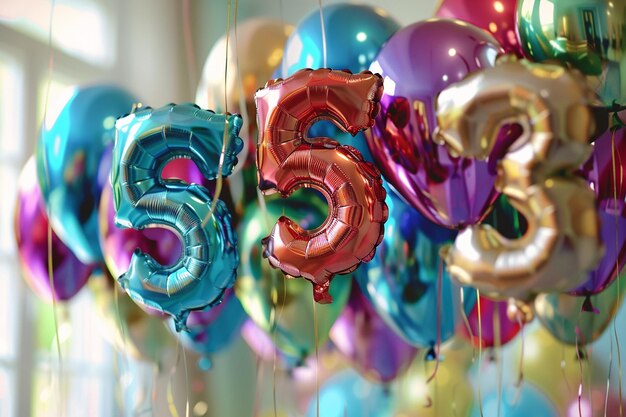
(560, 314)
(586, 35)
(271, 299)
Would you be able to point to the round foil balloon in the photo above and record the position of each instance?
(417, 63)
(401, 280)
(69, 274)
(68, 157)
(587, 36)
(276, 303)
(495, 16)
(371, 346)
(605, 172)
(212, 330)
(126, 326)
(579, 320)
(354, 35)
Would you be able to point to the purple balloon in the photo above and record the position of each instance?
(362, 336)
(417, 63)
(69, 274)
(610, 194)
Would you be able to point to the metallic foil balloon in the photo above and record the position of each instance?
(127, 327)
(118, 245)
(146, 141)
(417, 63)
(69, 274)
(284, 307)
(561, 244)
(371, 346)
(68, 156)
(288, 160)
(491, 327)
(498, 17)
(562, 314)
(402, 279)
(587, 36)
(606, 176)
(354, 35)
(213, 330)
(346, 394)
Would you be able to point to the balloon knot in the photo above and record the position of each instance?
(321, 294)
(588, 306)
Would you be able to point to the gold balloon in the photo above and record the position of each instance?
(586, 35)
(560, 314)
(561, 244)
(258, 52)
(128, 328)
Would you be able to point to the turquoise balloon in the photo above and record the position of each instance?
(401, 280)
(346, 394)
(147, 140)
(68, 157)
(354, 35)
(529, 401)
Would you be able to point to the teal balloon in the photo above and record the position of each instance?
(347, 394)
(68, 157)
(529, 401)
(354, 35)
(402, 279)
(147, 140)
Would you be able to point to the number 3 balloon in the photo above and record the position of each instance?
(561, 245)
(146, 141)
(288, 160)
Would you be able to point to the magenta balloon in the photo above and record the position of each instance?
(495, 16)
(417, 63)
(610, 189)
(362, 336)
(69, 275)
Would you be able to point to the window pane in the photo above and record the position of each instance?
(11, 135)
(8, 311)
(6, 392)
(8, 179)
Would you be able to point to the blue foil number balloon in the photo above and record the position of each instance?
(146, 141)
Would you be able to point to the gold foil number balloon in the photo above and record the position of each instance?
(561, 243)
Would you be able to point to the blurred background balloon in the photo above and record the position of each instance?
(605, 172)
(251, 61)
(354, 35)
(450, 191)
(587, 36)
(274, 302)
(401, 280)
(31, 226)
(372, 348)
(564, 315)
(264, 348)
(128, 328)
(68, 158)
(523, 402)
(210, 331)
(495, 16)
(346, 394)
(491, 327)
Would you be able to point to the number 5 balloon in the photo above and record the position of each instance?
(146, 141)
(288, 160)
(561, 245)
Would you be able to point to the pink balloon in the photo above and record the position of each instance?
(495, 16)
(69, 275)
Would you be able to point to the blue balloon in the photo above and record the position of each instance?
(401, 280)
(346, 394)
(529, 401)
(68, 157)
(147, 140)
(354, 35)
(211, 331)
